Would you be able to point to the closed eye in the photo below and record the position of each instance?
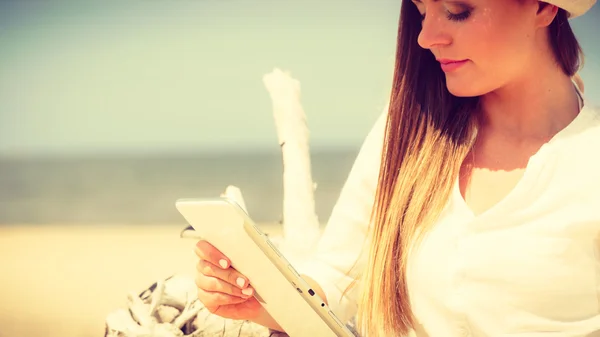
(460, 16)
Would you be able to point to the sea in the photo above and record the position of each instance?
(136, 189)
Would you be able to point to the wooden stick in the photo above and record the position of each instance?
(157, 296)
(190, 311)
(179, 290)
(139, 311)
(120, 322)
(300, 223)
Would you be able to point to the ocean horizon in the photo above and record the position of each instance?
(142, 189)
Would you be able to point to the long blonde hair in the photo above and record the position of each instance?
(429, 133)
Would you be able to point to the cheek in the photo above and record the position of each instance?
(480, 38)
(493, 49)
(489, 57)
(503, 56)
(499, 40)
(496, 53)
(478, 45)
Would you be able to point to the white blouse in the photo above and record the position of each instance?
(528, 266)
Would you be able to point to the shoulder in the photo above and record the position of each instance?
(576, 150)
(593, 111)
(587, 134)
(583, 133)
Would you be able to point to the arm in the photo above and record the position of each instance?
(343, 238)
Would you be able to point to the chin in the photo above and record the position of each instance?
(459, 89)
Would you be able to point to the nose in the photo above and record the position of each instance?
(433, 33)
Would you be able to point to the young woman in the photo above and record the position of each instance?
(473, 208)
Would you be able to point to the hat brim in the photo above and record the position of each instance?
(575, 8)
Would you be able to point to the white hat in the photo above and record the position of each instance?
(574, 7)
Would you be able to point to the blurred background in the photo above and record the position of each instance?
(112, 110)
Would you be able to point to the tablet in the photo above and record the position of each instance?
(278, 286)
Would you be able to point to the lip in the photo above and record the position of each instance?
(451, 65)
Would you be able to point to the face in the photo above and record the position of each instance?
(482, 45)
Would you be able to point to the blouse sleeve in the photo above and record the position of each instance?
(342, 241)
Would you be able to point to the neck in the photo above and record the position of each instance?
(533, 107)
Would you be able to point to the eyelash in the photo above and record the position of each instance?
(460, 16)
(455, 17)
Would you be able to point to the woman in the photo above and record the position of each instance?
(483, 181)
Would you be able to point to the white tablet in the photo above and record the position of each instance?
(278, 286)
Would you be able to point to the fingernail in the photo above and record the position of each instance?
(223, 263)
(240, 282)
(247, 291)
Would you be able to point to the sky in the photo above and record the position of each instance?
(158, 76)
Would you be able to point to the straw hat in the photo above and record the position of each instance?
(574, 7)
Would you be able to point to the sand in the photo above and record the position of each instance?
(64, 280)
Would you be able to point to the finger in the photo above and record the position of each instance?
(229, 275)
(208, 252)
(213, 284)
(215, 299)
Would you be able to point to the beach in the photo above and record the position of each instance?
(62, 280)
(78, 234)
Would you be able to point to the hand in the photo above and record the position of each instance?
(222, 289)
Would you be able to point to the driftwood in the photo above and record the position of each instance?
(170, 307)
(167, 309)
(300, 223)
